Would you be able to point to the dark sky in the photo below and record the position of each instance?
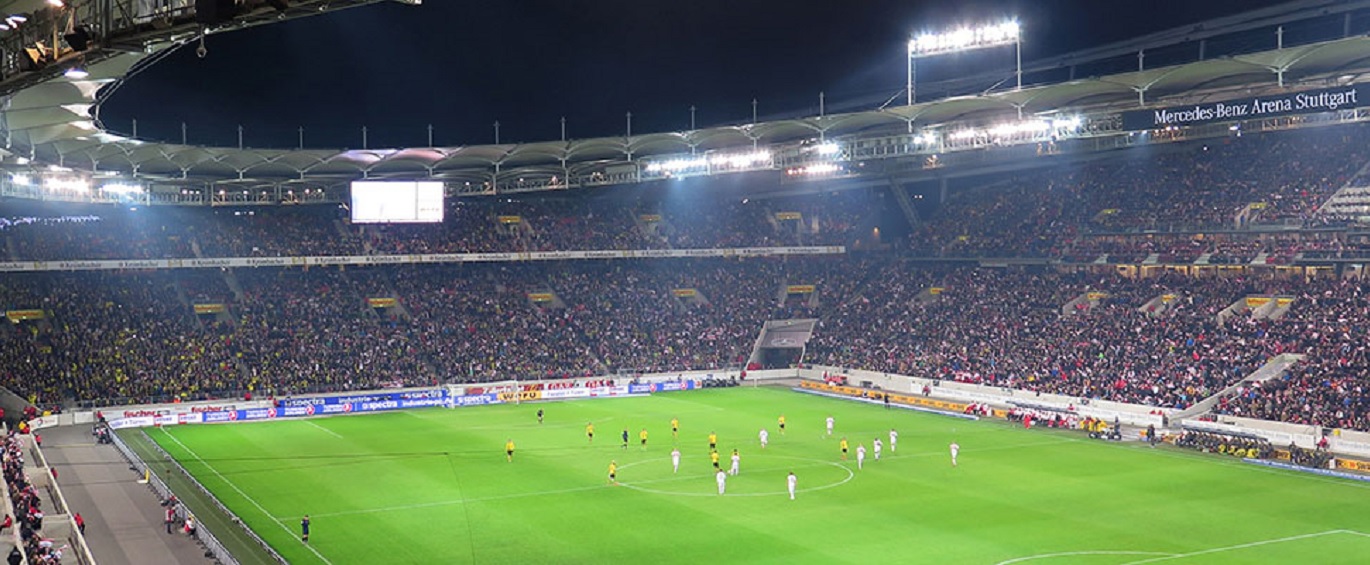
(463, 64)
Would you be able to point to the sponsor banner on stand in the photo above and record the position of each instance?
(332, 260)
(520, 396)
(214, 417)
(1280, 104)
(475, 400)
(664, 386)
(135, 422)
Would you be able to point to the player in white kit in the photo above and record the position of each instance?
(675, 460)
(790, 482)
(955, 448)
(894, 439)
(722, 480)
(829, 425)
(737, 459)
(765, 436)
(878, 446)
(860, 456)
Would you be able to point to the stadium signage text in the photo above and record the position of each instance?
(1305, 102)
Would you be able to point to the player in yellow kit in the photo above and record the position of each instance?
(782, 424)
(713, 455)
(613, 472)
(843, 445)
(675, 428)
(509, 450)
(642, 435)
(713, 440)
(590, 431)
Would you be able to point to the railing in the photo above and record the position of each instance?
(164, 493)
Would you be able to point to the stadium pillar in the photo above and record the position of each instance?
(135, 128)
(364, 138)
(563, 128)
(430, 135)
(913, 69)
(629, 131)
(820, 103)
(692, 123)
(301, 130)
(753, 111)
(1018, 63)
(496, 132)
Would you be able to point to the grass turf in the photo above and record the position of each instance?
(433, 486)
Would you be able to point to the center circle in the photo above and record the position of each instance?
(695, 478)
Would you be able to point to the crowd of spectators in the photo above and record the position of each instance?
(28, 506)
(134, 336)
(1329, 387)
(1190, 187)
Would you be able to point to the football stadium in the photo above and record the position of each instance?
(1105, 306)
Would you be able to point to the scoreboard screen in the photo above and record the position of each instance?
(397, 202)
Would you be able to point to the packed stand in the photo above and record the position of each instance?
(1329, 387)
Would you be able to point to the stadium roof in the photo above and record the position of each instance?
(53, 123)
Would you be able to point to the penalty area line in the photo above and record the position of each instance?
(240, 492)
(1238, 546)
(1078, 553)
(330, 432)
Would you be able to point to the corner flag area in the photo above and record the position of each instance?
(434, 486)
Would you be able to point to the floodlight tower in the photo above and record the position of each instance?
(965, 39)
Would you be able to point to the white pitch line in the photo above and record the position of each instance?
(1075, 553)
(1238, 546)
(330, 432)
(244, 495)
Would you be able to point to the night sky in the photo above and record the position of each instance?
(461, 65)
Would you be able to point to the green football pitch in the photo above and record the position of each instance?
(433, 486)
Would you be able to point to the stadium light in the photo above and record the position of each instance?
(120, 188)
(965, 39)
(74, 185)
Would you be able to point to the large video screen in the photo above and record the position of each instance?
(396, 202)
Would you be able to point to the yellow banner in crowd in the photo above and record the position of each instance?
(17, 316)
(382, 302)
(788, 216)
(210, 308)
(1257, 301)
(650, 218)
(800, 289)
(540, 296)
(510, 219)
(685, 292)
